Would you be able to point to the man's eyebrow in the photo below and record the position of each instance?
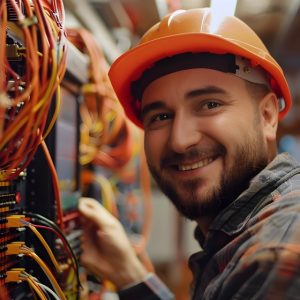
(152, 106)
(193, 93)
(205, 91)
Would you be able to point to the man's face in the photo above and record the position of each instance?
(204, 139)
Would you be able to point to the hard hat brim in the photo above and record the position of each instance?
(129, 66)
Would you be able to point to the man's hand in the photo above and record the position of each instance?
(107, 252)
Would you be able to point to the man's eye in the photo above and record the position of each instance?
(160, 117)
(156, 119)
(211, 105)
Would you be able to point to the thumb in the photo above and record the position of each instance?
(92, 210)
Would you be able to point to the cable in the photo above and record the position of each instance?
(45, 244)
(107, 194)
(105, 136)
(50, 224)
(36, 40)
(27, 251)
(19, 274)
(66, 245)
(36, 288)
(69, 253)
(55, 183)
(17, 221)
(44, 287)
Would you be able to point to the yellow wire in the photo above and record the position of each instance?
(107, 194)
(45, 268)
(36, 288)
(55, 114)
(45, 244)
(88, 157)
(16, 128)
(53, 78)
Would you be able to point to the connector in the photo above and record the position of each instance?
(14, 248)
(12, 52)
(13, 275)
(15, 221)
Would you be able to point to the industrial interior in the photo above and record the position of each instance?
(64, 135)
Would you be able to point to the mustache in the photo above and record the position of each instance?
(196, 153)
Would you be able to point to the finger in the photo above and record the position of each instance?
(95, 212)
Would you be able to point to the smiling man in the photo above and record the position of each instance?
(209, 104)
(212, 135)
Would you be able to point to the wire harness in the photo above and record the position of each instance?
(32, 54)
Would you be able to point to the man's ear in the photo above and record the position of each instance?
(269, 110)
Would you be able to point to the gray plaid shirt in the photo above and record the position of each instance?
(253, 247)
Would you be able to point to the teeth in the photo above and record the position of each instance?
(196, 165)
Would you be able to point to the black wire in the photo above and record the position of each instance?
(50, 223)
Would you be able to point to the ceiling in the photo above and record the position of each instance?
(277, 22)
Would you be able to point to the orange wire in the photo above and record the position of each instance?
(44, 56)
(55, 183)
(100, 103)
(3, 22)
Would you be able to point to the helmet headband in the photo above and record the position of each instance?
(227, 63)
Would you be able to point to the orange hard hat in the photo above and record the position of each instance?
(191, 31)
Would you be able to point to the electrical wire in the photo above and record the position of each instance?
(46, 288)
(69, 252)
(27, 251)
(34, 284)
(45, 244)
(26, 92)
(50, 224)
(55, 183)
(107, 194)
(36, 288)
(37, 218)
(105, 138)
(108, 140)
(66, 245)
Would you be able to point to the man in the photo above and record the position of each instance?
(209, 103)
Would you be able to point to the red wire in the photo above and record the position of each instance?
(66, 246)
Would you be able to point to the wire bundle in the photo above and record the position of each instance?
(40, 222)
(109, 141)
(106, 138)
(32, 55)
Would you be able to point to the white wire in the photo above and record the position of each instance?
(47, 289)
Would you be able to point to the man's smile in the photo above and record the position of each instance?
(200, 164)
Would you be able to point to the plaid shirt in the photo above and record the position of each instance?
(252, 250)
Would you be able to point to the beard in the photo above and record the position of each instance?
(250, 159)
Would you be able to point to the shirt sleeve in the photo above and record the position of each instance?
(151, 288)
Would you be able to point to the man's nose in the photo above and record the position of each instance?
(184, 134)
